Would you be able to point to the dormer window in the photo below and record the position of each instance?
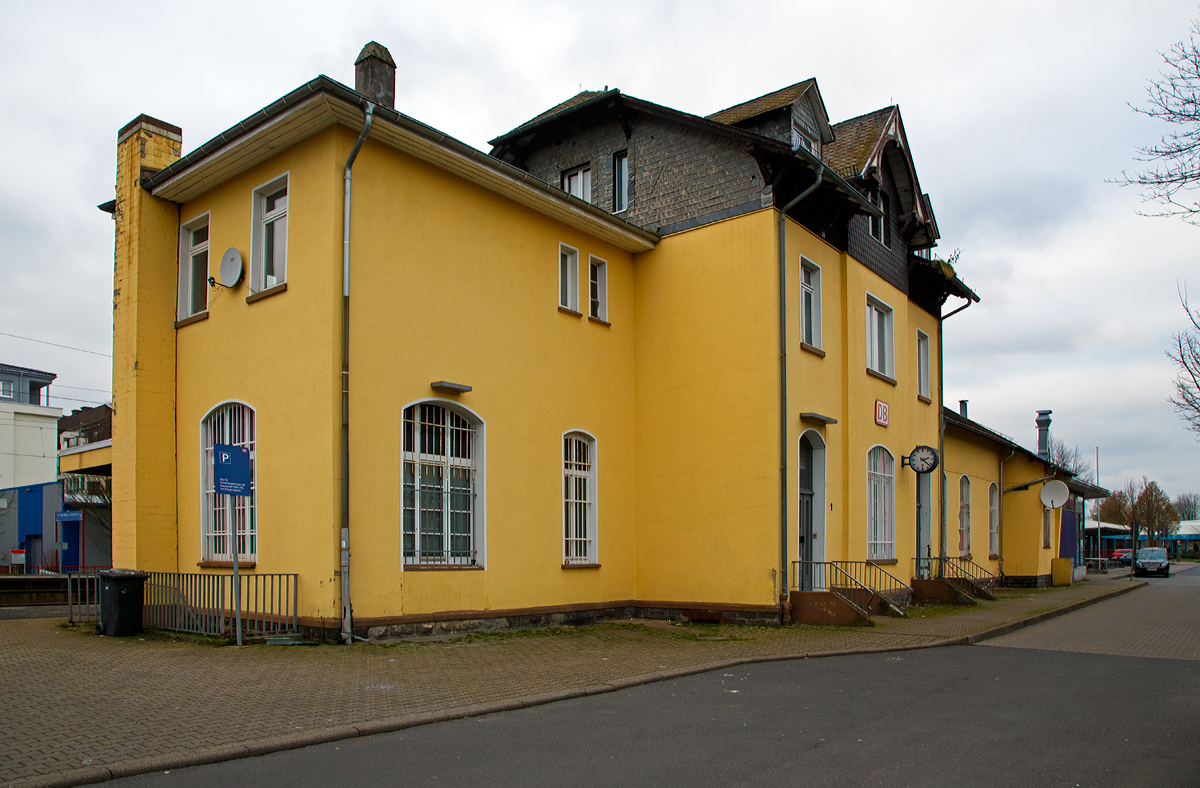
(801, 140)
(578, 182)
(881, 227)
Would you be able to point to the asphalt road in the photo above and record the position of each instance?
(960, 716)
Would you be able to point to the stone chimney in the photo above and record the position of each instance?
(1043, 427)
(962, 408)
(375, 75)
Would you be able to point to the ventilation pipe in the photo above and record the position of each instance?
(783, 409)
(1043, 427)
(962, 408)
(347, 614)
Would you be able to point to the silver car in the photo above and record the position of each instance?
(1152, 559)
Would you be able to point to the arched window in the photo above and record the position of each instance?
(579, 498)
(225, 515)
(881, 504)
(993, 520)
(441, 458)
(964, 516)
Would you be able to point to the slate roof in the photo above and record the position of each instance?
(755, 107)
(854, 140)
(578, 98)
(11, 370)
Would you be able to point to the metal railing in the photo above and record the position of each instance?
(83, 597)
(956, 569)
(202, 604)
(858, 582)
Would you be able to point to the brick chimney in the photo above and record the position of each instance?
(1043, 425)
(375, 75)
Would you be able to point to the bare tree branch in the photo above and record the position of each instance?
(1185, 354)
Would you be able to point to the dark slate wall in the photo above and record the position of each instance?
(678, 177)
(889, 263)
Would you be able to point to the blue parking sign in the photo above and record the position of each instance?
(231, 469)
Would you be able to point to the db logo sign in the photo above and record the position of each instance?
(881, 413)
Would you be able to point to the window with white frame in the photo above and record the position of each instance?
(922, 363)
(881, 504)
(229, 518)
(881, 226)
(6, 389)
(577, 182)
(879, 337)
(440, 467)
(579, 498)
(993, 520)
(620, 181)
(568, 278)
(598, 288)
(810, 303)
(964, 516)
(193, 267)
(268, 257)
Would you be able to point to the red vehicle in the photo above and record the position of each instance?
(1122, 557)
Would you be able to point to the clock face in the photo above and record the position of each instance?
(923, 459)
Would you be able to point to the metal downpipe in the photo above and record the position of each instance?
(942, 433)
(347, 635)
(783, 379)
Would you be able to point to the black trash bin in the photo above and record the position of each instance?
(120, 602)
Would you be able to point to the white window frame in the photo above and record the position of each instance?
(813, 289)
(6, 389)
(475, 468)
(923, 363)
(260, 218)
(875, 224)
(881, 504)
(220, 512)
(964, 516)
(597, 288)
(881, 352)
(620, 181)
(993, 519)
(582, 187)
(568, 278)
(580, 519)
(187, 251)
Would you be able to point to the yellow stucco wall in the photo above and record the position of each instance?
(1022, 547)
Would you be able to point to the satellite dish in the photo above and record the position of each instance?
(1054, 494)
(231, 267)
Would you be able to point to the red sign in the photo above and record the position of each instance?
(881, 413)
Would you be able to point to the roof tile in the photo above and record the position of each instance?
(854, 140)
(755, 107)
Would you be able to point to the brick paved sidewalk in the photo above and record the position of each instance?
(81, 708)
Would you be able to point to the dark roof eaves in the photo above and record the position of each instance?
(337, 89)
(534, 125)
(14, 369)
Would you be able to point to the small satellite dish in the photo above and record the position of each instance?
(231, 267)
(1054, 494)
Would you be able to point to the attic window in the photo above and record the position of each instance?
(881, 228)
(801, 140)
(578, 182)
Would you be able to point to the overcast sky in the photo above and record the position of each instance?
(1017, 116)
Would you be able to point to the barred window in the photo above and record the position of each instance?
(579, 498)
(993, 520)
(440, 465)
(226, 515)
(881, 504)
(964, 516)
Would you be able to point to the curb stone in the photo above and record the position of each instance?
(89, 775)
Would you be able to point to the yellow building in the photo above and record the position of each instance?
(997, 516)
(475, 389)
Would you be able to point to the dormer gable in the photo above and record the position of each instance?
(794, 115)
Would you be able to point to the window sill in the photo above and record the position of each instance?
(881, 376)
(993, 557)
(270, 291)
(967, 556)
(581, 566)
(882, 561)
(816, 351)
(226, 564)
(196, 318)
(442, 568)
(599, 320)
(568, 311)
(925, 399)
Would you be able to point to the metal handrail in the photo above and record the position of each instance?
(825, 576)
(83, 597)
(202, 604)
(955, 568)
(879, 580)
